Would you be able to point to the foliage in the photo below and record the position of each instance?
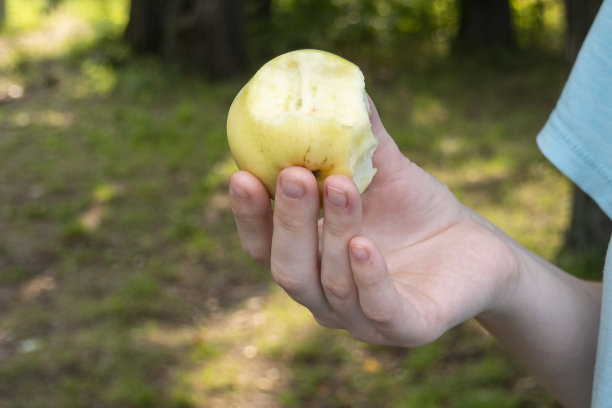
(539, 23)
(390, 31)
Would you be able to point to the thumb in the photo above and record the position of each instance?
(388, 159)
(392, 314)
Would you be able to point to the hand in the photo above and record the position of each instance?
(399, 265)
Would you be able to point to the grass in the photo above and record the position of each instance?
(122, 282)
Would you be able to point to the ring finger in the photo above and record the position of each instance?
(342, 205)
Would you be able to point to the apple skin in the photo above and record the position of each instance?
(305, 108)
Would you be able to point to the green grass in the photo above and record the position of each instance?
(122, 281)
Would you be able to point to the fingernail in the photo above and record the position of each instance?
(359, 253)
(238, 192)
(291, 188)
(336, 197)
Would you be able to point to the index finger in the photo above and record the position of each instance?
(253, 215)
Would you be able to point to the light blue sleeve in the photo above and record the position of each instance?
(578, 140)
(578, 135)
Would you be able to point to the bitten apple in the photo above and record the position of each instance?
(305, 108)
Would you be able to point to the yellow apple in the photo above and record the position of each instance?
(305, 108)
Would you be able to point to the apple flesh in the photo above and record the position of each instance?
(305, 108)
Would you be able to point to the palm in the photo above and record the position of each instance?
(404, 204)
(436, 255)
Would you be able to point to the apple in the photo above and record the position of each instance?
(304, 108)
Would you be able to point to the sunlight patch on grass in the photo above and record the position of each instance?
(236, 353)
(106, 192)
(96, 79)
(90, 219)
(105, 12)
(32, 15)
(34, 31)
(56, 118)
(428, 111)
(154, 333)
(37, 286)
(57, 33)
(542, 212)
(220, 173)
(535, 212)
(10, 90)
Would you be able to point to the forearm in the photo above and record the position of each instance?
(549, 321)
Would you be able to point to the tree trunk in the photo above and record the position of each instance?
(199, 35)
(206, 35)
(579, 15)
(590, 228)
(258, 19)
(485, 23)
(145, 29)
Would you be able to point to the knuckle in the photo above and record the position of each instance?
(338, 289)
(257, 251)
(292, 286)
(289, 222)
(368, 281)
(246, 215)
(378, 316)
(248, 218)
(328, 322)
(335, 228)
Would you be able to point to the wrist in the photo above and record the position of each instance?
(505, 269)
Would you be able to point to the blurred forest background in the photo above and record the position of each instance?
(122, 281)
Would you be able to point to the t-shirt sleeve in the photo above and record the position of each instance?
(577, 137)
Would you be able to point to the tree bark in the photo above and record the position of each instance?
(206, 35)
(590, 228)
(145, 29)
(199, 35)
(579, 15)
(485, 23)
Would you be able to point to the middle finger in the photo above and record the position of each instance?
(295, 247)
(343, 212)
